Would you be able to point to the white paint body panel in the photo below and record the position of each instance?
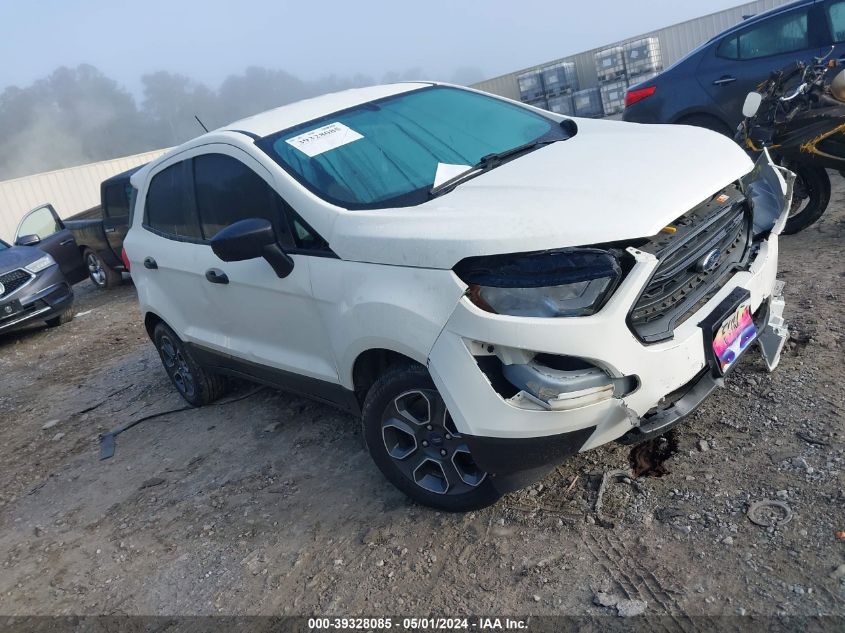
(603, 338)
(612, 181)
(392, 286)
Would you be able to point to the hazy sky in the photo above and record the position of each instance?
(210, 39)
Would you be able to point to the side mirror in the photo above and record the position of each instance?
(251, 239)
(752, 104)
(28, 240)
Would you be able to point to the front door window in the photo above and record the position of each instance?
(40, 222)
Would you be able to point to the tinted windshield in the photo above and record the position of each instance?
(386, 152)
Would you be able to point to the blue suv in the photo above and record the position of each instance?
(708, 87)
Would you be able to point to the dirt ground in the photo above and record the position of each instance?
(269, 504)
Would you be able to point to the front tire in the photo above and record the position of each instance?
(100, 274)
(194, 383)
(811, 195)
(62, 319)
(414, 442)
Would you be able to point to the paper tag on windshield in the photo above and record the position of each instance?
(445, 172)
(323, 139)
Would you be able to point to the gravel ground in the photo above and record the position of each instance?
(269, 505)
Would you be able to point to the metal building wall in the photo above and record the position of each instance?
(675, 42)
(69, 190)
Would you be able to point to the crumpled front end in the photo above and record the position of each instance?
(528, 391)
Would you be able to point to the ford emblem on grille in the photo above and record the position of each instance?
(2, 289)
(709, 261)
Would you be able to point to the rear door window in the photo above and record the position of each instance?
(775, 36)
(170, 208)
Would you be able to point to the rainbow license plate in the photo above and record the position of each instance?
(735, 334)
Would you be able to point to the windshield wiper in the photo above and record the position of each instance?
(488, 162)
(496, 159)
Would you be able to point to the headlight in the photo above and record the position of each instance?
(562, 283)
(45, 261)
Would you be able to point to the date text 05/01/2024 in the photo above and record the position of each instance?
(413, 624)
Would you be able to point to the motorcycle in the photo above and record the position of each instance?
(803, 127)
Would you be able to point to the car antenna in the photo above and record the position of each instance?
(202, 125)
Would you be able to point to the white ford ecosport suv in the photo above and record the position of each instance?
(490, 286)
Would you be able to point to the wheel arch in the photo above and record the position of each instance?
(151, 320)
(372, 363)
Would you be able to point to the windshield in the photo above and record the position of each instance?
(387, 152)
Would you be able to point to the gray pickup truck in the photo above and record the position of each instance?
(93, 239)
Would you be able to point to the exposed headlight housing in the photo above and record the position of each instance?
(560, 283)
(45, 261)
(768, 189)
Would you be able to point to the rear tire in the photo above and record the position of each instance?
(707, 122)
(195, 384)
(814, 184)
(64, 317)
(413, 441)
(100, 274)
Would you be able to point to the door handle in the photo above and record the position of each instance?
(65, 242)
(110, 230)
(150, 263)
(723, 81)
(216, 276)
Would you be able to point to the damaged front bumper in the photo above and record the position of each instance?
(527, 392)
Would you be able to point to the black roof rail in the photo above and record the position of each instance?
(251, 135)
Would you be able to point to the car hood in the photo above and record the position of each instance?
(612, 181)
(18, 257)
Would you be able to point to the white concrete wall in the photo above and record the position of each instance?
(69, 190)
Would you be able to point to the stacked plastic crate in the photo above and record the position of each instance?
(560, 80)
(562, 104)
(550, 87)
(531, 89)
(642, 60)
(587, 103)
(619, 67)
(610, 67)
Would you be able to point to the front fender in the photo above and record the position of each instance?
(374, 306)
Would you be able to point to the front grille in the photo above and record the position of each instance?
(13, 280)
(680, 285)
